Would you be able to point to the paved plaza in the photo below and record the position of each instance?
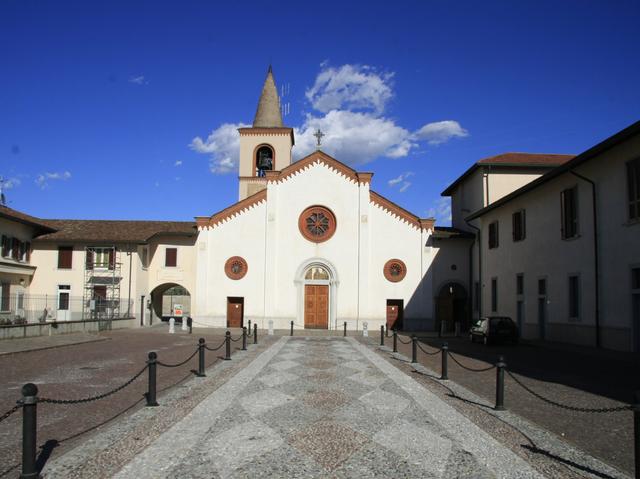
(312, 406)
(324, 407)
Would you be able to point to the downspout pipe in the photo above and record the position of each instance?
(479, 239)
(596, 263)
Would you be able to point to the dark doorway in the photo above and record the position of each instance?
(235, 312)
(395, 313)
(452, 308)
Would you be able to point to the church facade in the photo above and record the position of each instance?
(309, 242)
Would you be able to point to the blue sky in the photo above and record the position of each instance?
(127, 110)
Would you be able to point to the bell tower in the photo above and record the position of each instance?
(266, 145)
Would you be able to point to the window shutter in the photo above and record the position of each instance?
(15, 248)
(4, 245)
(28, 252)
(89, 259)
(171, 256)
(112, 258)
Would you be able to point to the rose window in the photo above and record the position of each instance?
(235, 267)
(317, 224)
(395, 270)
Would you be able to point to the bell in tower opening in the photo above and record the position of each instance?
(264, 160)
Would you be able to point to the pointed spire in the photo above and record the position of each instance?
(268, 114)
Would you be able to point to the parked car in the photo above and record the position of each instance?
(494, 329)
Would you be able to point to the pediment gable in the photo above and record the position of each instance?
(318, 157)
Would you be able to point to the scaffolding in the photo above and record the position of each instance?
(102, 278)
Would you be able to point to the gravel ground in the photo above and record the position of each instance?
(608, 437)
(87, 369)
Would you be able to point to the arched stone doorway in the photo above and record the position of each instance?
(452, 308)
(170, 300)
(317, 284)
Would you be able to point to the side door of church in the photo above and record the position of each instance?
(235, 312)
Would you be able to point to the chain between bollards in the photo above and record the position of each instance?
(255, 334)
(381, 335)
(444, 367)
(151, 389)
(200, 372)
(414, 349)
(227, 344)
(29, 430)
(244, 338)
(500, 365)
(291, 334)
(345, 329)
(395, 341)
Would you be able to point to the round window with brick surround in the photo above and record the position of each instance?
(317, 224)
(235, 267)
(395, 270)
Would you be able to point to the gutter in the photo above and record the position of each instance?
(479, 239)
(596, 263)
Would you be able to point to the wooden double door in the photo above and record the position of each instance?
(316, 306)
(235, 312)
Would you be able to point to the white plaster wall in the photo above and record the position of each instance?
(268, 237)
(502, 182)
(544, 254)
(242, 236)
(467, 198)
(393, 238)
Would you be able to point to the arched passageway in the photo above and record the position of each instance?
(171, 300)
(452, 308)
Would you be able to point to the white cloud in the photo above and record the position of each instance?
(441, 210)
(223, 146)
(402, 181)
(139, 80)
(400, 178)
(351, 100)
(350, 87)
(440, 132)
(43, 179)
(352, 137)
(10, 183)
(178, 163)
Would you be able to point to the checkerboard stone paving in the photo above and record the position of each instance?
(323, 407)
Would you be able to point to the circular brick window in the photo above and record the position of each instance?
(317, 224)
(395, 270)
(235, 267)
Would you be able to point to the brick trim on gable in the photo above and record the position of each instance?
(233, 210)
(318, 157)
(394, 209)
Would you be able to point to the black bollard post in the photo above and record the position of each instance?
(414, 349)
(636, 432)
(227, 346)
(29, 429)
(255, 334)
(381, 335)
(444, 368)
(190, 324)
(151, 391)
(395, 341)
(500, 365)
(291, 329)
(244, 338)
(345, 329)
(386, 330)
(200, 372)
(249, 327)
